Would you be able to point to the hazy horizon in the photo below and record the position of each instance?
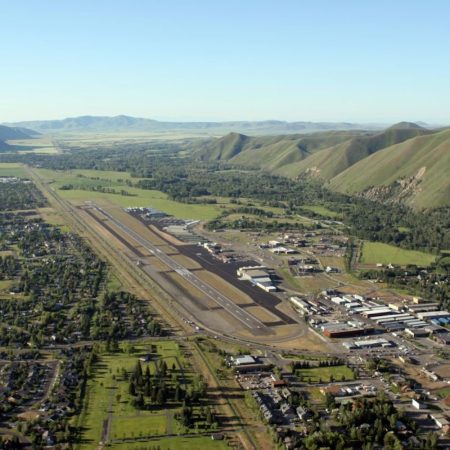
(196, 61)
(187, 120)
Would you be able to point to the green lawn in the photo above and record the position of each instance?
(377, 252)
(107, 392)
(314, 374)
(139, 197)
(142, 425)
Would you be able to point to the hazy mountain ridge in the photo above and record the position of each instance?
(124, 123)
(12, 133)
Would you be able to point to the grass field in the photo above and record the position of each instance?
(321, 210)
(315, 374)
(102, 396)
(177, 443)
(107, 396)
(377, 252)
(11, 170)
(316, 283)
(116, 180)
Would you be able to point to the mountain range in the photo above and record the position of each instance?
(105, 124)
(404, 163)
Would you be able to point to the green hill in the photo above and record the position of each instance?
(268, 152)
(322, 154)
(415, 172)
(331, 161)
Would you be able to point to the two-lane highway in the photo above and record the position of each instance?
(227, 304)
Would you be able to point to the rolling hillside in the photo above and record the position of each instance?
(323, 155)
(331, 161)
(405, 163)
(268, 152)
(415, 172)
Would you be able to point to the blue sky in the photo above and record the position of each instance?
(335, 60)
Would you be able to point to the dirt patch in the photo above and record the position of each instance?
(224, 287)
(186, 262)
(262, 314)
(191, 290)
(168, 237)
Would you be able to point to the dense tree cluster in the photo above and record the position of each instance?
(365, 424)
(103, 189)
(166, 384)
(59, 280)
(122, 315)
(432, 282)
(20, 194)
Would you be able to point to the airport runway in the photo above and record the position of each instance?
(238, 313)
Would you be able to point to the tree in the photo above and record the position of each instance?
(161, 396)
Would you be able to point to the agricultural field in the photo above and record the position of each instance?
(379, 253)
(110, 414)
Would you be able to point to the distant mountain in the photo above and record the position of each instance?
(414, 172)
(11, 133)
(104, 124)
(4, 147)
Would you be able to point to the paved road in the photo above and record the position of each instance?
(238, 313)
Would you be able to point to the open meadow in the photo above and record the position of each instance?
(83, 182)
(379, 253)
